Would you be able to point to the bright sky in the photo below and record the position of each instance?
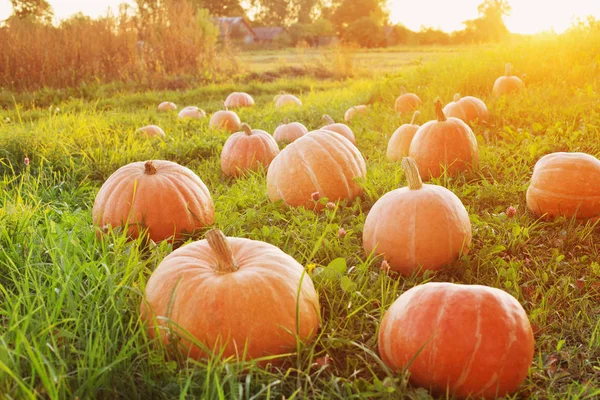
(528, 16)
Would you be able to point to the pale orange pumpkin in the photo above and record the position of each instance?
(399, 143)
(192, 112)
(225, 119)
(418, 227)
(151, 130)
(239, 99)
(231, 297)
(354, 111)
(444, 144)
(249, 150)
(565, 184)
(289, 131)
(164, 198)
(407, 102)
(322, 162)
(285, 100)
(167, 106)
(342, 129)
(468, 108)
(508, 83)
(464, 340)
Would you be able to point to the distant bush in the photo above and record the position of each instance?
(365, 32)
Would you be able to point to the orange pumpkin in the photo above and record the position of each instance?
(322, 162)
(225, 119)
(342, 129)
(249, 150)
(467, 108)
(407, 102)
(152, 130)
(418, 227)
(288, 132)
(239, 99)
(565, 184)
(285, 100)
(354, 111)
(238, 297)
(446, 144)
(167, 106)
(162, 197)
(192, 112)
(508, 83)
(399, 143)
(466, 340)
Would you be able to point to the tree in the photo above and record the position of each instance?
(220, 8)
(350, 11)
(489, 26)
(38, 10)
(366, 32)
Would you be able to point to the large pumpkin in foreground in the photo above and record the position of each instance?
(399, 143)
(565, 184)
(508, 83)
(467, 108)
(162, 197)
(249, 150)
(238, 297)
(419, 227)
(466, 340)
(322, 162)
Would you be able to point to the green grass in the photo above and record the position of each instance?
(69, 311)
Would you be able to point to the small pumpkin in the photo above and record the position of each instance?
(164, 198)
(354, 111)
(239, 99)
(466, 340)
(225, 119)
(468, 108)
(565, 184)
(322, 162)
(192, 112)
(342, 129)
(444, 144)
(249, 150)
(238, 297)
(418, 227)
(152, 130)
(167, 106)
(508, 83)
(285, 100)
(407, 102)
(399, 143)
(289, 131)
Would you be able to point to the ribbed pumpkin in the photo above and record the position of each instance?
(249, 150)
(565, 184)
(445, 143)
(243, 297)
(342, 129)
(418, 227)
(467, 108)
(407, 102)
(285, 100)
(151, 130)
(225, 119)
(466, 340)
(322, 162)
(354, 111)
(167, 106)
(508, 83)
(239, 99)
(167, 199)
(191, 112)
(399, 143)
(289, 131)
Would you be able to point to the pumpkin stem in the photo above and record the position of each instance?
(286, 121)
(402, 90)
(225, 105)
(508, 69)
(149, 168)
(219, 244)
(412, 173)
(327, 119)
(457, 97)
(247, 130)
(414, 117)
(439, 111)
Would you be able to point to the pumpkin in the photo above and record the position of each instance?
(507, 84)
(321, 162)
(289, 131)
(285, 100)
(342, 129)
(565, 184)
(239, 99)
(237, 297)
(399, 143)
(167, 106)
(467, 108)
(225, 119)
(249, 150)
(407, 102)
(151, 130)
(418, 227)
(192, 112)
(354, 111)
(162, 197)
(444, 144)
(466, 340)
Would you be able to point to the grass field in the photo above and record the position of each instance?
(69, 303)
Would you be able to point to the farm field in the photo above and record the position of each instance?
(70, 324)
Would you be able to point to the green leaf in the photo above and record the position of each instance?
(347, 285)
(338, 265)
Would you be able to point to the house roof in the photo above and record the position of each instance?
(268, 33)
(226, 23)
